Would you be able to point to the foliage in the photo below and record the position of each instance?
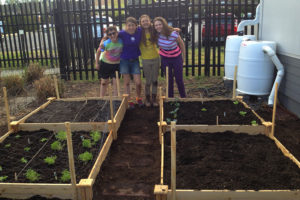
(27, 149)
(43, 139)
(86, 143)
(34, 72)
(96, 136)
(203, 109)
(243, 113)
(50, 160)
(85, 157)
(65, 176)
(7, 145)
(61, 135)
(254, 123)
(235, 102)
(14, 84)
(45, 88)
(1, 168)
(3, 178)
(32, 175)
(168, 120)
(17, 136)
(56, 146)
(24, 160)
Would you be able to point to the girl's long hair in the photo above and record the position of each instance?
(153, 36)
(166, 30)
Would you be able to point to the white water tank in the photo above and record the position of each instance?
(232, 49)
(255, 68)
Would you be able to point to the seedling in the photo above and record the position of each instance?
(17, 136)
(56, 146)
(50, 160)
(85, 157)
(3, 178)
(61, 135)
(86, 143)
(65, 176)
(168, 120)
(203, 109)
(32, 175)
(243, 113)
(96, 136)
(254, 123)
(235, 102)
(24, 160)
(43, 139)
(27, 149)
(7, 145)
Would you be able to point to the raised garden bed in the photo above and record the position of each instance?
(23, 151)
(228, 166)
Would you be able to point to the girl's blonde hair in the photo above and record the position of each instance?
(153, 36)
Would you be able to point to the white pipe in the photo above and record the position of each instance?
(268, 50)
(244, 23)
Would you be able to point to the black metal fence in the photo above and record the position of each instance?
(70, 31)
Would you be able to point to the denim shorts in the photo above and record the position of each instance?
(130, 66)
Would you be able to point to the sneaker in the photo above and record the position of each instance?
(130, 105)
(154, 100)
(139, 102)
(147, 101)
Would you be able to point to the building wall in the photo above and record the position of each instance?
(280, 23)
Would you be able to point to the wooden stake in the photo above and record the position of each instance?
(234, 83)
(56, 86)
(217, 120)
(71, 159)
(160, 114)
(173, 160)
(6, 108)
(274, 110)
(112, 112)
(118, 83)
(167, 82)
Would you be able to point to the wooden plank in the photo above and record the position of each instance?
(160, 192)
(76, 126)
(35, 111)
(121, 112)
(274, 110)
(251, 130)
(247, 106)
(118, 84)
(101, 157)
(112, 113)
(167, 82)
(161, 117)
(27, 190)
(236, 195)
(6, 135)
(56, 87)
(196, 99)
(162, 160)
(173, 160)
(89, 98)
(71, 160)
(85, 188)
(6, 108)
(285, 151)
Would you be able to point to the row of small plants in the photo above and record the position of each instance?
(176, 105)
(58, 146)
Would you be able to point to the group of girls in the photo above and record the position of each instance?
(121, 52)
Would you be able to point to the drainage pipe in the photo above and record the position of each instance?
(268, 50)
(242, 24)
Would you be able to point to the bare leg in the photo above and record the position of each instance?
(103, 87)
(114, 84)
(138, 84)
(126, 84)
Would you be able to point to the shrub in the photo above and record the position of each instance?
(14, 84)
(32, 175)
(34, 72)
(3, 178)
(45, 88)
(65, 176)
(50, 160)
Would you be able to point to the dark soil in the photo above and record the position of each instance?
(132, 167)
(226, 110)
(75, 111)
(12, 156)
(230, 161)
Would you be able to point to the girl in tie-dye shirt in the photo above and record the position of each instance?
(109, 60)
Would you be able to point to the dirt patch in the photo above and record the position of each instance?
(12, 150)
(230, 161)
(75, 111)
(132, 167)
(206, 113)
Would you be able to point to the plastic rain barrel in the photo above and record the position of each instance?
(255, 68)
(232, 49)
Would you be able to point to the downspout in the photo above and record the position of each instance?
(242, 24)
(268, 50)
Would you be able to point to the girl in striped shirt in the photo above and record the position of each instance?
(172, 53)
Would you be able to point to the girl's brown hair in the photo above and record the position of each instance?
(111, 28)
(153, 36)
(166, 30)
(131, 20)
